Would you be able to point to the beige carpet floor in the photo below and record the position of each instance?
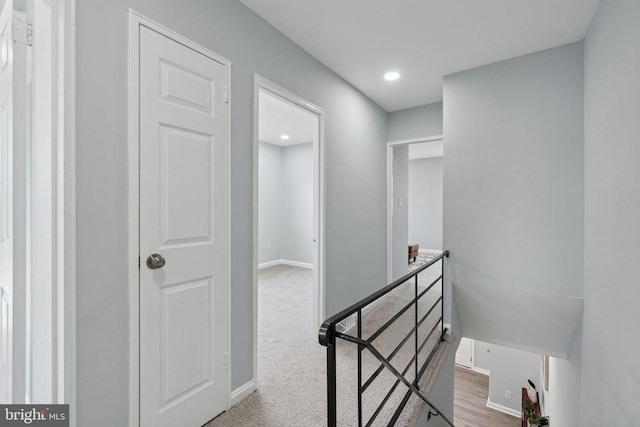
(292, 365)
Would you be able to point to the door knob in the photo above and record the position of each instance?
(155, 261)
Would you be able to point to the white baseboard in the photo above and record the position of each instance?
(429, 251)
(504, 409)
(269, 264)
(285, 262)
(241, 392)
(481, 371)
(349, 325)
(296, 263)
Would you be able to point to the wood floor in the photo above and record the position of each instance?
(470, 402)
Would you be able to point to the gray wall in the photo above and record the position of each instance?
(297, 181)
(355, 155)
(285, 194)
(482, 355)
(400, 211)
(511, 370)
(513, 172)
(562, 400)
(415, 122)
(442, 394)
(610, 370)
(425, 202)
(270, 209)
(514, 175)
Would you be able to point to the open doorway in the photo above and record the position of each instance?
(489, 381)
(288, 215)
(414, 203)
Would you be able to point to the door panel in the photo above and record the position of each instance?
(187, 213)
(464, 353)
(184, 204)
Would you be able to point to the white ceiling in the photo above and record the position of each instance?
(424, 40)
(426, 150)
(278, 117)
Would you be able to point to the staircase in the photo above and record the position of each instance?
(399, 343)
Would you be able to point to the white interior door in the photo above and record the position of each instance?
(6, 205)
(464, 353)
(184, 218)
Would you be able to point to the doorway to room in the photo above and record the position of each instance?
(288, 215)
(414, 203)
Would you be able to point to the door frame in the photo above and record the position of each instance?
(264, 85)
(390, 204)
(56, 120)
(136, 20)
(55, 22)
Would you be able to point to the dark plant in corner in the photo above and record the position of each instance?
(534, 418)
(529, 408)
(538, 420)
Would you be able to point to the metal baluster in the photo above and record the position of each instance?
(331, 383)
(416, 326)
(442, 301)
(360, 349)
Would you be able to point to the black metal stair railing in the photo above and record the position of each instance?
(328, 335)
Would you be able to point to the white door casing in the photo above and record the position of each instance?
(390, 197)
(262, 85)
(6, 205)
(184, 216)
(13, 202)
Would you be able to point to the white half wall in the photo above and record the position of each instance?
(527, 320)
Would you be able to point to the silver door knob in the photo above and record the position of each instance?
(155, 261)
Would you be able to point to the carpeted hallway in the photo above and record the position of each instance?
(292, 365)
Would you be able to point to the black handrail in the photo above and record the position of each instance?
(324, 334)
(328, 334)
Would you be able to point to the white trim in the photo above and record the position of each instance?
(68, 14)
(135, 21)
(269, 264)
(262, 84)
(241, 392)
(63, 131)
(297, 264)
(389, 213)
(481, 370)
(285, 262)
(54, 97)
(503, 409)
(430, 251)
(390, 146)
(416, 140)
(133, 228)
(19, 156)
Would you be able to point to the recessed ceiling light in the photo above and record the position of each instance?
(391, 76)
(284, 137)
